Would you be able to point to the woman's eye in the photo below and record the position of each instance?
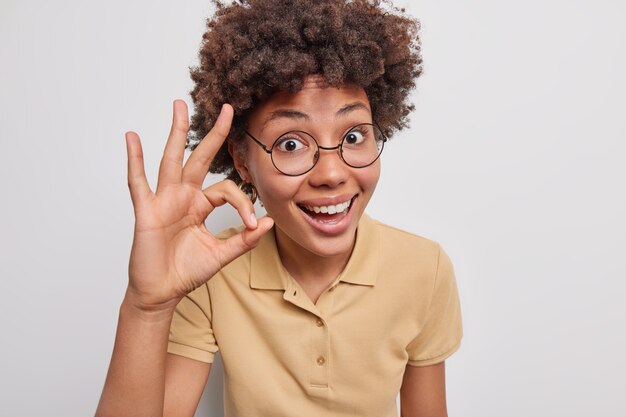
(354, 138)
(290, 145)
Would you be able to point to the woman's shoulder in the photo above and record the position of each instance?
(405, 242)
(406, 257)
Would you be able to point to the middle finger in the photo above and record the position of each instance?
(197, 165)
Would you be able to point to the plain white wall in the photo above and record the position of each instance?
(514, 162)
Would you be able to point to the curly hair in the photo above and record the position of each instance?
(253, 48)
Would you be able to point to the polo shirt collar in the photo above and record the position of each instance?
(266, 269)
(268, 273)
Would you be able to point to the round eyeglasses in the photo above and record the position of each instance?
(296, 152)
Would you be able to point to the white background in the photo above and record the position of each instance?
(514, 162)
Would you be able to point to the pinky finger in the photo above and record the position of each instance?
(137, 182)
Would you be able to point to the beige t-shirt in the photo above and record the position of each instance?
(395, 303)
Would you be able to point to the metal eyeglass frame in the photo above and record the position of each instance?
(326, 148)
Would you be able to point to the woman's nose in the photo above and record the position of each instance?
(330, 170)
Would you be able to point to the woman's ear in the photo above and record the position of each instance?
(239, 159)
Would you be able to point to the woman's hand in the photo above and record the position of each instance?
(173, 253)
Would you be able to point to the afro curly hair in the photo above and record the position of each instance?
(253, 48)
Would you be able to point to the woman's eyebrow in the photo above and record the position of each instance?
(350, 107)
(298, 115)
(285, 113)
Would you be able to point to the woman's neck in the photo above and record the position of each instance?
(309, 269)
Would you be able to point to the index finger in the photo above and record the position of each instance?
(197, 165)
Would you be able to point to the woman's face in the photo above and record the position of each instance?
(327, 114)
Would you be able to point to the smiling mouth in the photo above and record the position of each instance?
(329, 213)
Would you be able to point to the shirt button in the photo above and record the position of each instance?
(319, 322)
(321, 361)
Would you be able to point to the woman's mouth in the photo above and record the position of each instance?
(333, 209)
(329, 219)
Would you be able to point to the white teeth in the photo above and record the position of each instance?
(339, 208)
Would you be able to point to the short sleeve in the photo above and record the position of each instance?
(191, 333)
(442, 329)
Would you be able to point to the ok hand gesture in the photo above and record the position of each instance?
(173, 253)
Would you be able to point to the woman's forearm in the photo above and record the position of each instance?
(135, 382)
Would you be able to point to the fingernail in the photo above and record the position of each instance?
(253, 220)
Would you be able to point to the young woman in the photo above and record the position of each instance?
(317, 309)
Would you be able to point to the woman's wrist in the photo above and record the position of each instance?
(134, 306)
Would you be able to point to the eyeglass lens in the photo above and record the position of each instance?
(296, 152)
